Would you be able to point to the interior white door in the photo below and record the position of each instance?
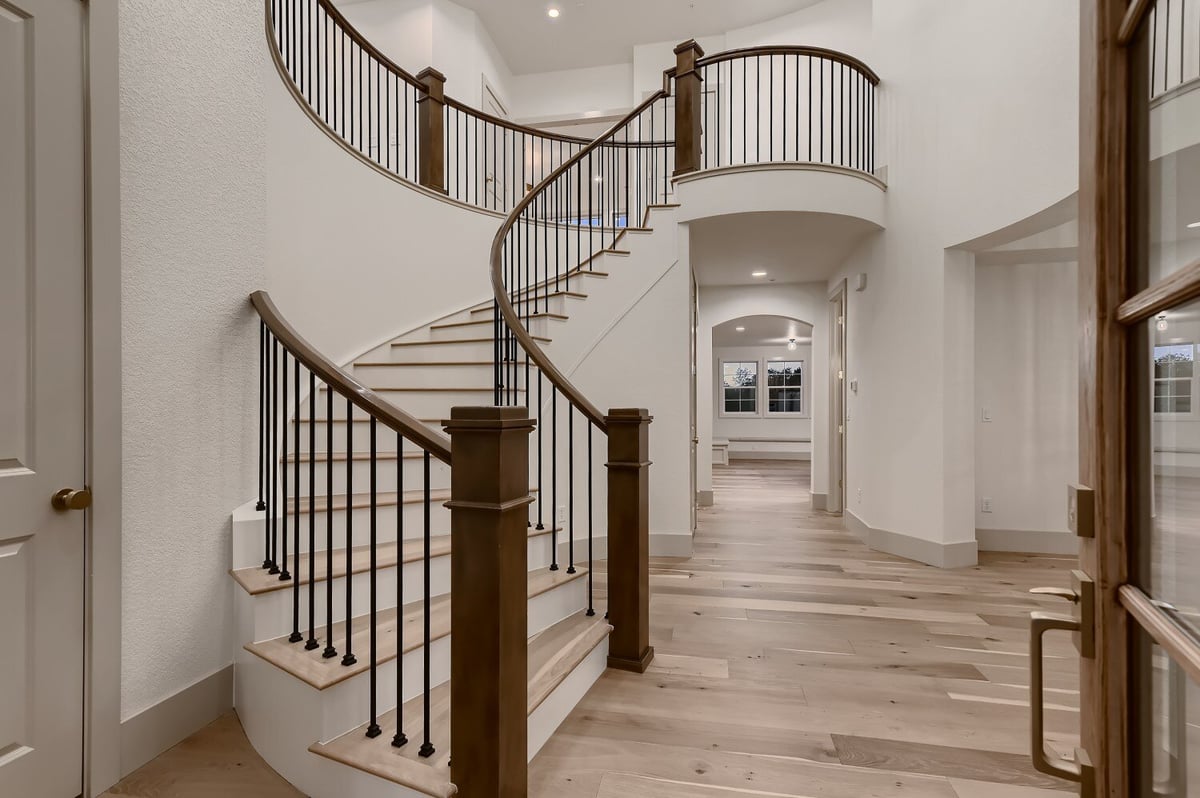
(42, 396)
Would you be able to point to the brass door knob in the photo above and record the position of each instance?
(71, 499)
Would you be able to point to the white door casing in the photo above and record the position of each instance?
(42, 396)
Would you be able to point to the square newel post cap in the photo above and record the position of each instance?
(434, 82)
(629, 415)
(488, 418)
(690, 44)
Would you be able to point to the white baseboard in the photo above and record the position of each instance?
(940, 555)
(1031, 541)
(174, 719)
(749, 455)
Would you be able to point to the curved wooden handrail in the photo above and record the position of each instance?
(362, 42)
(514, 126)
(783, 49)
(509, 313)
(345, 385)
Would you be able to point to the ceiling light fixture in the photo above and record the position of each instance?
(791, 344)
(1193, 225)
(758, 274)
(740, 329)
(553, 13)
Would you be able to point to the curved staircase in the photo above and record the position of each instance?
(376, 539)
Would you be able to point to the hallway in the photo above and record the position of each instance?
(792, 661)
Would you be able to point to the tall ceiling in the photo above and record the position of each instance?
(762, 331)
(599, 32)
(789, 247)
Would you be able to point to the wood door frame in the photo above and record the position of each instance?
(102, 618)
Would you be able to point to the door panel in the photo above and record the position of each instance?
(42, 396)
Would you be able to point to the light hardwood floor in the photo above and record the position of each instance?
(792, 662)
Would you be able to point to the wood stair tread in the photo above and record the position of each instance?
(359, 501)
(310, 667)
(553, 655)
(450, 341)
(255, 580)
(481, 322)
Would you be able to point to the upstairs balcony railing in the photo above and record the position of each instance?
(1173, 32)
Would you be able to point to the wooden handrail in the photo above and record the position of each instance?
(511, 317)
(345, 385)
(514, 126)
(362, 42)
(782, 49)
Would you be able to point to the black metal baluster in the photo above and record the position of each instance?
(348, 658)
(296, 636)
(427, 748)
(330, 652)
(570, 530)
(312, 514)
(373, 729)
(262, 421)
(284, 575)
(553, 477)
(272, 457)
(399, 739)
(591, 610)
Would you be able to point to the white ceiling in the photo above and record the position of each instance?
(600, 32)
(762, 331)
(790, 247)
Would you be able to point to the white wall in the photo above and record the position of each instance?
(355, 257)
(572, 93)
(1027, 381)
(401, 29)
(193, 220)
(807, 302)
(982, 132)
(764, 425)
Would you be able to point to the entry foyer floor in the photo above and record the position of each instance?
(791, 662)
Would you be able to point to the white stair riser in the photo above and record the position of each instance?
(385, 475)
(249, 535)
(559, 305)
(269, 615)
(422, 405)
(424, 376)
(558, 705)
(543, 328)
(445, 352)
(385, 439)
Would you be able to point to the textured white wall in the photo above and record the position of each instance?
(193, 206)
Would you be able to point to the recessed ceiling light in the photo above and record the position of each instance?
(598, 179)
(1193, 225)
(758, 274)
(553, 13)
(740, 329)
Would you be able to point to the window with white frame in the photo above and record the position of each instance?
(785, 387)
(1174, 368)
(739, 387)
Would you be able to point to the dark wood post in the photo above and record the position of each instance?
(629, 539)
(688, 85)
(489, 494)
(431, 133)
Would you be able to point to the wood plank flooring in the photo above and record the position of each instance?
(794, 662)
(791, 662)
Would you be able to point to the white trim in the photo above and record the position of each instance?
(1031, 541)
(175, 718)
(940, 555)
(780, 167)
(102, 621)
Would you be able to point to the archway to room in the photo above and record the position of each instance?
(763, 407)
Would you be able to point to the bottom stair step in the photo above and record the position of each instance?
(553, 655)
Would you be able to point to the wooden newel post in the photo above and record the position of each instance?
(489, 497)
(629, 539)
(688, 86)
(431, 130)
